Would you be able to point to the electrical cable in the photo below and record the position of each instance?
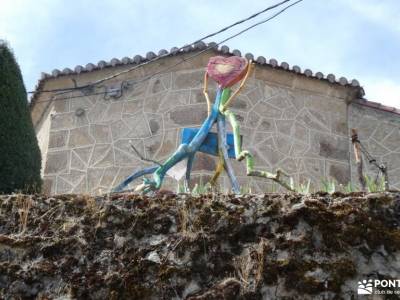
(179, 49)
(167, 68)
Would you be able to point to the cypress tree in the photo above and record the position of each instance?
(20, 159)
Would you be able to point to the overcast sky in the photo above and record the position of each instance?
(352, 38)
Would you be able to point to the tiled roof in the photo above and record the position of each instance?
(261, 60)
(137, 59)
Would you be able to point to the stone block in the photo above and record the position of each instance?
(392, 141)
(62, 121)
(312, 85)
(268, 151)
(253, 120)
(156, 124)
(254, 94)
(159, 84)
(57, 162)
(137, 90)
(138, 126)
(267, 110)
(94, 176)
(275, 76)
(188, 79)
(285, 126)
(298, 149)
(80, 103)
(382, 131)
(283, 143)
(279, 101)
(376, 149)
(80, 137)
(63, 187)
(113, 112)
(102, 156)
(258, 137)
(108, 178)
(77, 163)
(271, 90)
(338, 123)
(392, 160)
(330, 146)
(100, 133)
(343, 92)
(290, 113)
(266, 125)
(308, 120)
(153, 103)
(366, 127)
(133, 107)
(84, 153)
(240, 103)
(97, 112)
(74, 177)
(173, 99)
(61, 106)
(58, 139)
(322, 117)
(188, 115)
(119, 129)
(300, 132)
(81, 187)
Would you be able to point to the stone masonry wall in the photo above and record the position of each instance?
(379, 131)
(288, 121)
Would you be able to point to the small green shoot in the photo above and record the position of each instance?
(329, 186)
(304, 188)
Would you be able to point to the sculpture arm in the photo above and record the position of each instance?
(206, 93)
(249, 69)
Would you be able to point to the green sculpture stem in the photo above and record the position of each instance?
(241, 154)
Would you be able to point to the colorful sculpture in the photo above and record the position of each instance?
(226, 71)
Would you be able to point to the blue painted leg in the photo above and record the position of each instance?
(132, 177)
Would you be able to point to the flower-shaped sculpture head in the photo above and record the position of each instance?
(227, 70)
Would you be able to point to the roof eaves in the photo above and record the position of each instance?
(223, 49)
(377, 105)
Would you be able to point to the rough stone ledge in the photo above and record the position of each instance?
(212, 246)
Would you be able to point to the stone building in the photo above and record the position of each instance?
(291, 119)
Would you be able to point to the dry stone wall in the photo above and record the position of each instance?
(379, 131)
(288, 121)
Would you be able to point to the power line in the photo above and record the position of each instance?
(172, 66)
(164, 55)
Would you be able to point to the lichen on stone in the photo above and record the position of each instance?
(214, 246)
